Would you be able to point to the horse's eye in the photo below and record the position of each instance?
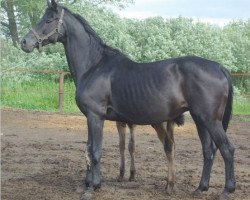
(48, 21)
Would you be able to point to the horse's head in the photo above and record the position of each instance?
(50, 29)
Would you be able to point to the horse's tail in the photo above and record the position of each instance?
(228, 110)
(179, 120)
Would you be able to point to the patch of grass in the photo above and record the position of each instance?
(241, 107)
(37, 94)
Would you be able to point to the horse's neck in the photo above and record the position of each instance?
(82, 51)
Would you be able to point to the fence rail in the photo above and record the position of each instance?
(240, 74)
(61, 75)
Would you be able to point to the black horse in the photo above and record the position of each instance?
(110, 86)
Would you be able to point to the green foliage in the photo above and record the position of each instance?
(117, 3)
(241, 105)
(49, 59)
(239, 35)
(13, 58)
(241, 108)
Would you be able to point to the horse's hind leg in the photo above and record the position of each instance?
(218, 135)
(209, 150)
(121, 127)
(131, 148)
(167, 139)
(227, 151)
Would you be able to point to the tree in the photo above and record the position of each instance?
(118, 3)
(10, 24)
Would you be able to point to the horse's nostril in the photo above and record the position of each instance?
(23, 41)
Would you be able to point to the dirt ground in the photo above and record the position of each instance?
(42, 157)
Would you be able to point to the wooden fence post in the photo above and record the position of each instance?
(61, 92)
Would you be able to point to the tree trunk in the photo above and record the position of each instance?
(8, 6)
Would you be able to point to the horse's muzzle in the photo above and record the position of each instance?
(26, 47)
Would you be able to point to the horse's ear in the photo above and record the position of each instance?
(48, 3)
(54, 4)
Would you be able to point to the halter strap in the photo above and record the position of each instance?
(56, 30)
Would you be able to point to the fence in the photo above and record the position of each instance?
(238, 77)
(59, 74)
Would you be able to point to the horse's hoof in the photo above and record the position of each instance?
(87, 184)
(97, 186)
(80, 189)
(170, 188)
(131, 178)
(119, 179)
(197, 193)
(132, 175)
(88, 195)
(224, 196)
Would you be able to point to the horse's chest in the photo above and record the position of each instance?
(92, 97)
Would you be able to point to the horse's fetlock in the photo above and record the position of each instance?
(97, 186)
(122, 172)
(230, 187)
(204, 187)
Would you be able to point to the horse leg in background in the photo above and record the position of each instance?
(167, 139)
(131, 148)
(209, 150)
(121, 127)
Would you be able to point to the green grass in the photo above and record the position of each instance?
(241, 107)
(37, 95)
(42, 94)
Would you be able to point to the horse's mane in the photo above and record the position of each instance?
(91, 32)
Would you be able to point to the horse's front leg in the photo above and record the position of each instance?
(95, 135)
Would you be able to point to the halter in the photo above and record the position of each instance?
(56, 30)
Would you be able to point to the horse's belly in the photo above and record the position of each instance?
(139, 113)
